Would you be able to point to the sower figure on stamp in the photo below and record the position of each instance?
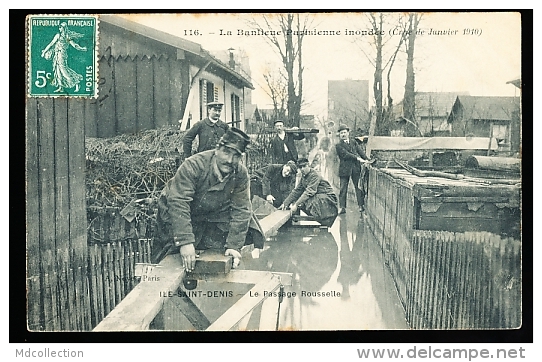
(208, 130)
(282, 145)
(57, 50)
(313, 195)
(274, 182)
(206, 205)
(351, 156)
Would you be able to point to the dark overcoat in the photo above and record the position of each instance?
(280, 156)
(196, 197)
(273, 183)
(348, 157)
(209, 134)
(316, 197)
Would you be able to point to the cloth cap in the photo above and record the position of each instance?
(215, 104)
(236, 139)
(293, 166)
(343, 127)
(302, 162)
(277, 121)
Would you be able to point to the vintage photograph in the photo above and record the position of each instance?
(274, 171)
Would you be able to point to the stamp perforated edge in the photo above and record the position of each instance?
(28, 56)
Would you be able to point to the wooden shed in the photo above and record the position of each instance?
(495, 117)
(149, 78)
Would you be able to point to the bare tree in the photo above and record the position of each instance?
(288, 43)
(380, 50)
(409, 99)
(276, 90)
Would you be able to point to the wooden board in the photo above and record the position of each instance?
(106, 99)
(137, 310)
(34, 287)
(383, 143)
(210, 262)
(126, 95)
(145, 93)
(246, 304)
(270, 224)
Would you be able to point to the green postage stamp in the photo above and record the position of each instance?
(62, 56)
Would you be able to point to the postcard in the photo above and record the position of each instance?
(274, 172)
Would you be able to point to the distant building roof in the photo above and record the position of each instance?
(488, 108)
(175, 42)
(516, 81)
(435, 104)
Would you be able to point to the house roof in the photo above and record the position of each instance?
(516, 81)
(435, 104)
(488, 108)
(175, 42)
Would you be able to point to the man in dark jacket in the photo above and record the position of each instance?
(208, 130)
(282, 145)
(351, 156)
(313, 195)
(206, 205)
(274, 182)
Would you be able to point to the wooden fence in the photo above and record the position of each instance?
(111, 274)
(445, 280)
(462, 280)
(136, 93)
(55, 214)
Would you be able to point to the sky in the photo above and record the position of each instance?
(479, 64)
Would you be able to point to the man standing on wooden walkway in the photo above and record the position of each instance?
(206, 205)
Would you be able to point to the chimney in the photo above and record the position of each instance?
(232, 61)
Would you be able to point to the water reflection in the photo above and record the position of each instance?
(340, 280)
(351, 268)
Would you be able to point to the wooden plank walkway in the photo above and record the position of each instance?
(138, 309)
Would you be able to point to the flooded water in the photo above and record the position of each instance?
(340, 280)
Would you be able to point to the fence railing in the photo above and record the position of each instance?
(445, 280)
(463, 280)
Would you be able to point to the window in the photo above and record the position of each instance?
(235, 110)
(500, 132)
(208, 93)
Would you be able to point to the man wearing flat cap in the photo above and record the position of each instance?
(208, 130)
(313, 195)
(351, 157)
(274, 182)
(206, 205)
(282, 145)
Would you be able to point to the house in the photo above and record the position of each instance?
(496, 117)
(432, 110)
(348, 103)
(149, 79)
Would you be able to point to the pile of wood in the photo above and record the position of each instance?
(130, 167)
